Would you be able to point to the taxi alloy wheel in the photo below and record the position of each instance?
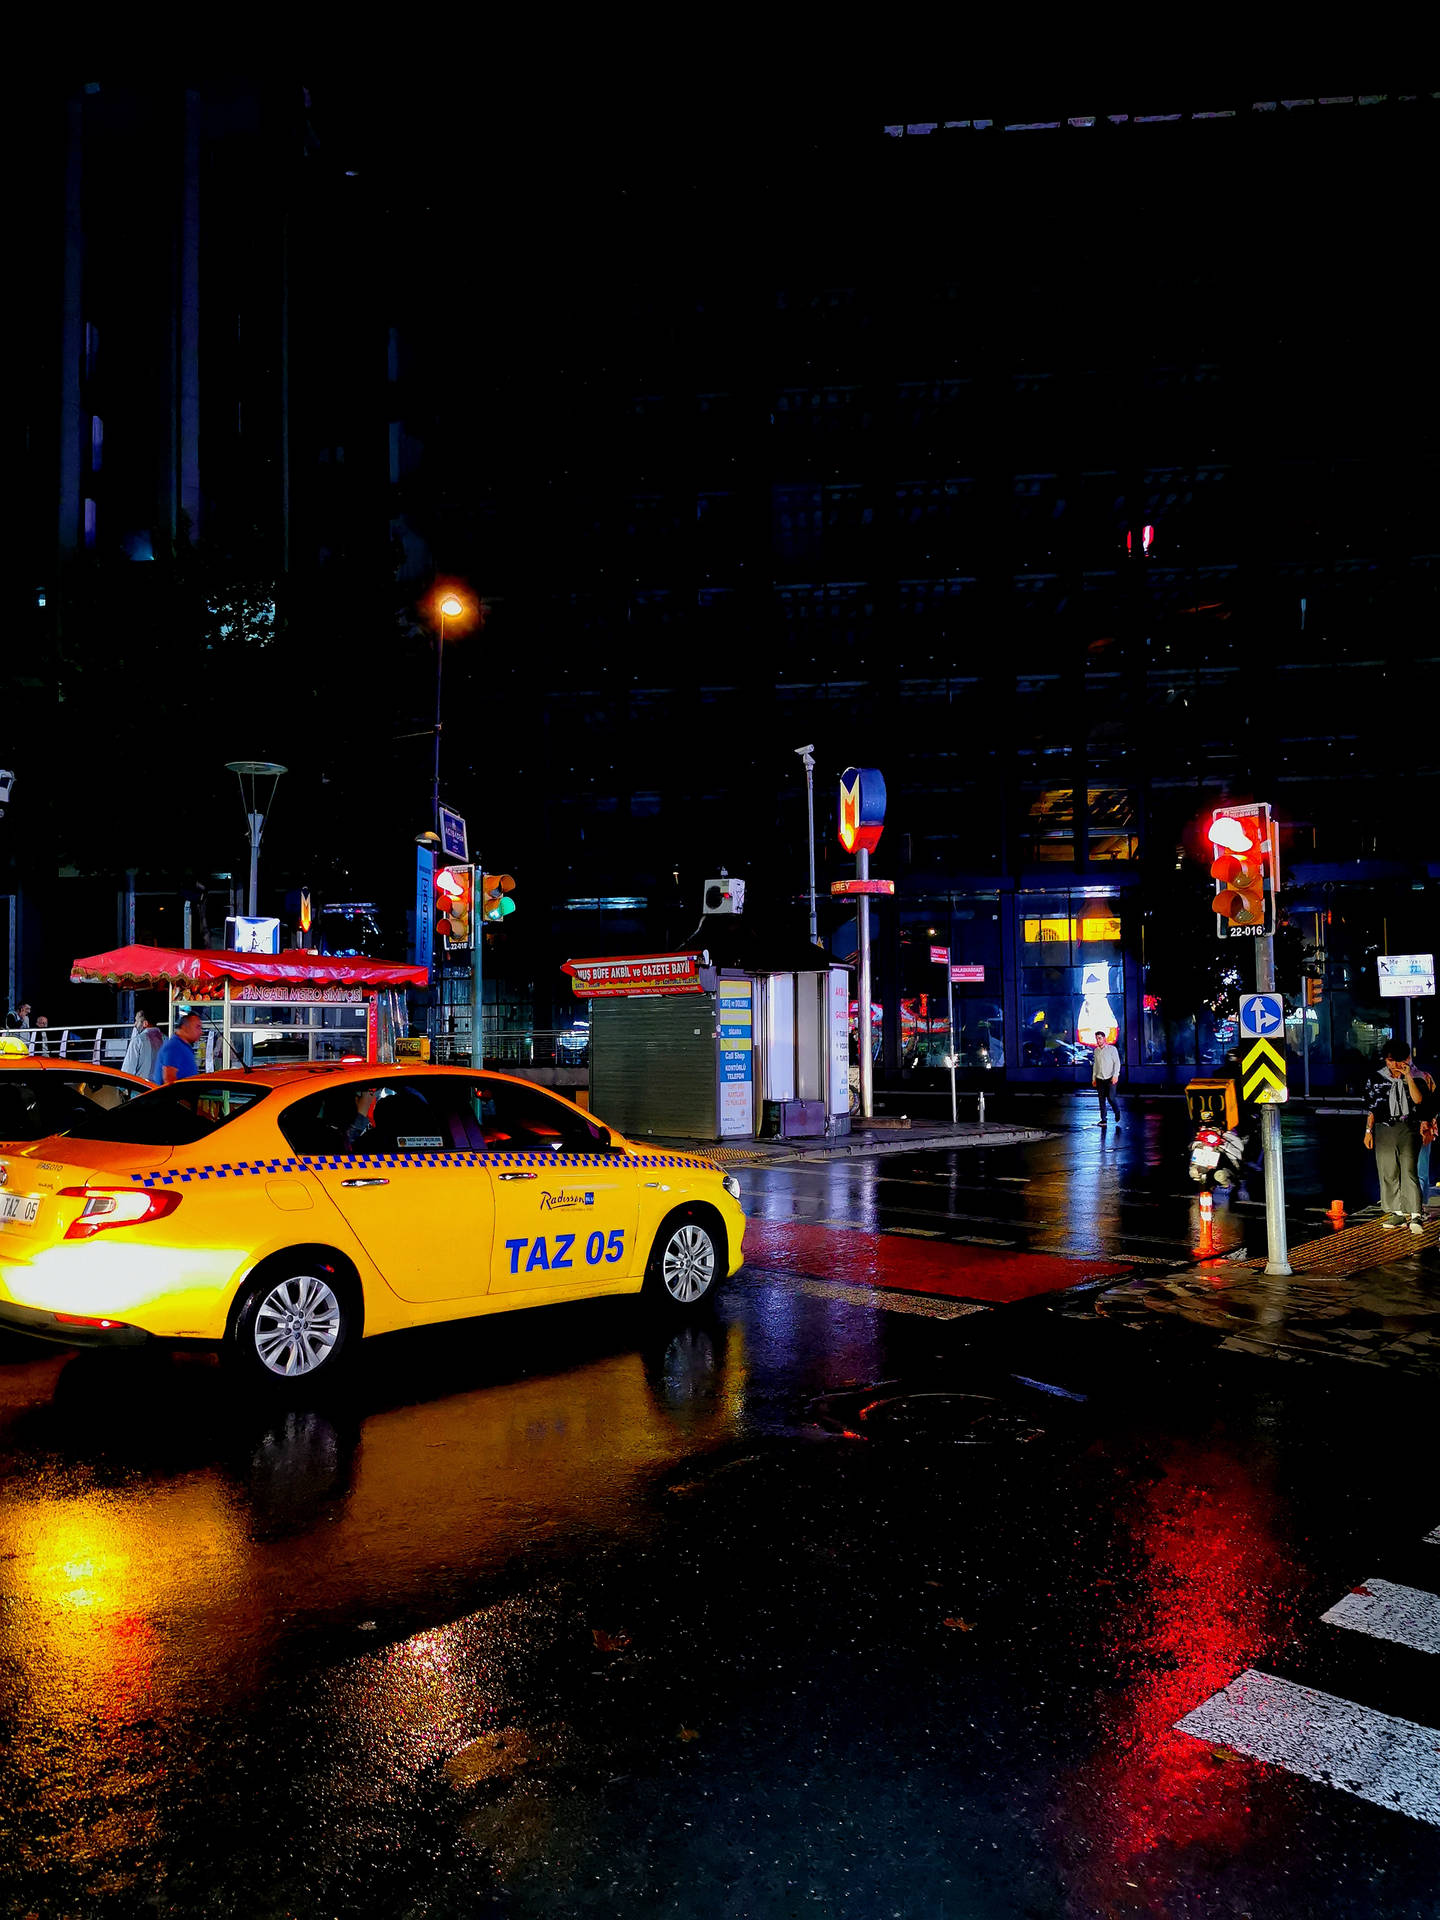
(685, 1261)
(293, 1324)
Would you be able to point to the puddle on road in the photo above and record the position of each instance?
(888, 1412)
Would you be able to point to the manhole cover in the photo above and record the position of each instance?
(959, 1419)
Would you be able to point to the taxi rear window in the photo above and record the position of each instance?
(178, 1115)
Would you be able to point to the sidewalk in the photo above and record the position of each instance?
(1386, 1315)
(864, 1145)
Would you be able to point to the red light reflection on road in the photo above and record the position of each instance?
(1212, 1583)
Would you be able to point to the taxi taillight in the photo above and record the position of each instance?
(122, 1207)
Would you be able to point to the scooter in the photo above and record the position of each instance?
(1216, 1157)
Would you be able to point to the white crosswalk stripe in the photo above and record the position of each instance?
(1433, 1539)
(1403, 1614)
(1380, 1758)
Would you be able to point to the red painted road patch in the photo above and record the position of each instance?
(991, 1274)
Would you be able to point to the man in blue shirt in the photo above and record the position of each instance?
(176, 1058)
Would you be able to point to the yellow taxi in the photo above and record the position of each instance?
(289, 1212)
(40, 1096)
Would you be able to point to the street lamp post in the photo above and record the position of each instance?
(451, 607)
(255, 771)
(807, 755)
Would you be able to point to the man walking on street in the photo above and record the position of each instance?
(1104, 1077)
(1392, 1129)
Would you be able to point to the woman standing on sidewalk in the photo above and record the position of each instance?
(1392, 1128)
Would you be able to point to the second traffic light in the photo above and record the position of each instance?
(495, 891)
(1243, 871)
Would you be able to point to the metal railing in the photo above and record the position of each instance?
(104, 1044)
(548, 1047)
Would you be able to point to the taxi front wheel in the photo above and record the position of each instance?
(294, 1322)
(687, 1260)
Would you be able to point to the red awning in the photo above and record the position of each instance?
(132, 967)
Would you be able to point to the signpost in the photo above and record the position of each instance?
(940, 957)
(862, 821)
(1407, 977)
(1246, 840)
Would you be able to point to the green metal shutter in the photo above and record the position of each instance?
(652, 1065)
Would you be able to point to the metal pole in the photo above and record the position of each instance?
(439, 670)
(950, 1023)
(257, 826)
(1305, 1034)
(477, 969)
(1278, 1251)
(1408, 1036)
(867, 1064)
(810, 816)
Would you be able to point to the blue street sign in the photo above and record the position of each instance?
(1261, 1015)
(423, 954)
(452, 837)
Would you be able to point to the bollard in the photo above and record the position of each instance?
(982, 1109)
(1207, 1224)
(1336, 1214)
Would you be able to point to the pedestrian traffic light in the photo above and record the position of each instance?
(454, 904)
(495, 891)
(1243, 870)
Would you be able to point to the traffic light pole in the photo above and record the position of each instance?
(1277, 1249)
(867, 1063)
(477, 977)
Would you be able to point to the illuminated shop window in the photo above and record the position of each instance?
(1088, 929)
(1114, 824)
(1050, 826)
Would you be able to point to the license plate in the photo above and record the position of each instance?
(1206, 1156)
(14, 1206)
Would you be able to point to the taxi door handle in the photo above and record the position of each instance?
(516, 1176)
(364, 1183)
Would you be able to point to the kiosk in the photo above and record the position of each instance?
(287, 1006)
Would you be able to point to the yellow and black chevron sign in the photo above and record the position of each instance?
(1262, 1074)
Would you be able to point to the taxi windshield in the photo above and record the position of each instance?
(178, 1115)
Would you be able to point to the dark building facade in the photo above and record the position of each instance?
(1079, 475)
(204, 505)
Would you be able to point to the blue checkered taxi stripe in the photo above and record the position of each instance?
(361, 1162)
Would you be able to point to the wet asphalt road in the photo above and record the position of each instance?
(807, 1608)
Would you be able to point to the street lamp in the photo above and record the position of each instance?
(255, 771)
(450, 608)
(807, 754)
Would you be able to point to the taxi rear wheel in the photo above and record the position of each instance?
(294, 1322)
(687, 1260)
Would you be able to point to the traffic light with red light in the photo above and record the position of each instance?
(495, 892)
(454, 904)
(1244, 871)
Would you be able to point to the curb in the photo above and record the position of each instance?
(927, 1140)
